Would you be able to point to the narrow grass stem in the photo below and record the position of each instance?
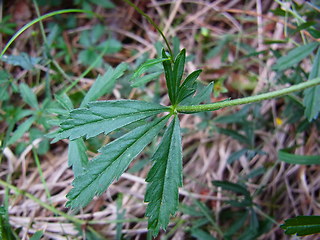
(51, 14)
(43, 204)
(152, 23)
(43, 180)
(246, 100)
(40, 23)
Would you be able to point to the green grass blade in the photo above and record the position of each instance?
(294, 56)
(311, 98)
(114, 160)
(169, 76)
(178, 70)
(302, 225)
(51, 14)
(164, 179)
(298, 159)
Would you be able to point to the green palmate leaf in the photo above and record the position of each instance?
(24, 60)
(89, 38)
(28, 96)
(148, 64)
(165, 178)
(311, 98)
(169, 76)
(77, 157)
(178, 69)
(104, 84)
(302, 225)
(188, 87)
(298, 159)
(105, 116)
(114, 159)
(294, 56)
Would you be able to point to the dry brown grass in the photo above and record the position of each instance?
(286, 190)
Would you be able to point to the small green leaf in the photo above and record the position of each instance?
(164, 179)
(219, 47)
(201, 96)
(104, 117)
(64, 101)
(294, 56)
(201, 235)
(77, 157)
(23, 60)
(236, 135)
(28, 96)
(145, 79)
(146, 65)
(176, 46)
(104, 3)
(4, 85)
(302, 225)
(169, 76)
(110, 46)
(206, 212)
(237, 189)
(188, 87)
(298, 159)
(6, 231)
(178, 69)
(88, 56)
(114, 159)
(235, 227)
(22, 129)
(37, 235)
(311, 98)
(104, 84)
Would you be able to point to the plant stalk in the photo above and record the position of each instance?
(43, 204)
(152, 23)
(246, 100)
(39, 19)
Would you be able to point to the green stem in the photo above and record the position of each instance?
(152, 23)
(43, 204)
(51, 208)
(246, 100)
(43, 180)
(25, 27)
